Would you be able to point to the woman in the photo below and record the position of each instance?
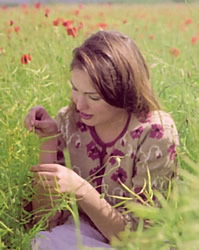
(116, 135)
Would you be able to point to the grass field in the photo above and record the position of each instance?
(35, 52)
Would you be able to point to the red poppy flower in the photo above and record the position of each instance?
(76, 12)
(16, 29)
(2, 51)
(174, 52)
(26, 58)
(101, 14)
(194, 39)
(47, 11)
(188, 21)
(11, 22)
(4, 7)
(102, 25)
(37, 5)
(151, 36)
(67, 23)
(124, 21)
(9, 31)
(72, 31)
(24, 6)
(81, 25)
(57, 21)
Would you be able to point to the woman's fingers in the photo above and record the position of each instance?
(35, 114)
(51, 185)
(45, 168)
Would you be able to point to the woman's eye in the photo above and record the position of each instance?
(95, 98)
(73, 88)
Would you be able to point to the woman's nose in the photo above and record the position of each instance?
(81, 102)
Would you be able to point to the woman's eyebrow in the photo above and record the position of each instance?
(87, 93)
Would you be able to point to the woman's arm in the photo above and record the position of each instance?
(108, 220)
(60, 179)
(42, 201)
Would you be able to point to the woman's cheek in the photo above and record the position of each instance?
(74, 96)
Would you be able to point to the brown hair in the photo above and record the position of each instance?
(117, 70)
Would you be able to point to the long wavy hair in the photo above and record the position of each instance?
(117, 71)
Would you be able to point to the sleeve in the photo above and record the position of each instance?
(154, 165)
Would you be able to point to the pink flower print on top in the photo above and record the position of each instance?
(119, 174)
(172, 151)
(145, 119)
(93, 151)
(157, 131)
(60, 155)
(78, 143)
(115, 153)
(136, 133)
(81, 126)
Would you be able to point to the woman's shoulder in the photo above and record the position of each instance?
(154, 117)
(156, 124)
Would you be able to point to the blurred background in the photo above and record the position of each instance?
(16, 2)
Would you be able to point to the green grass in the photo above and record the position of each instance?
(44, 81)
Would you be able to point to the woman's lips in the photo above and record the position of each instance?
(85, 116)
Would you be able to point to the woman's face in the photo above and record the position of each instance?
(94, 111)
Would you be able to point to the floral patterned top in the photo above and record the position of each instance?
(146, 148)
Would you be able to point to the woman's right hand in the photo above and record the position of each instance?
(39, 121)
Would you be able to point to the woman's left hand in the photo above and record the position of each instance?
(56, 178)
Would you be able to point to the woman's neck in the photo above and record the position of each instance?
(110, 131)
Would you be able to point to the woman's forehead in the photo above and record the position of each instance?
(82, 81)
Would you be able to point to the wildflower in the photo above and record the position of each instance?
(124, 21)
(2, 51)
(37, 5)
(67, 23)
(26, 58)
(76, 12)
(174, 52)
(101, 14)
(16, 29)
(47, 11)
(56, 22)
(102, 25)
(11, 22)
(194, 39)
(9, 31)
(81, 25)
(72, 31)
(188, 21)
(151, 36)
(4, 7)
(24, 6)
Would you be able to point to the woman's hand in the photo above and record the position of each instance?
(57, 179)
(39, 121)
